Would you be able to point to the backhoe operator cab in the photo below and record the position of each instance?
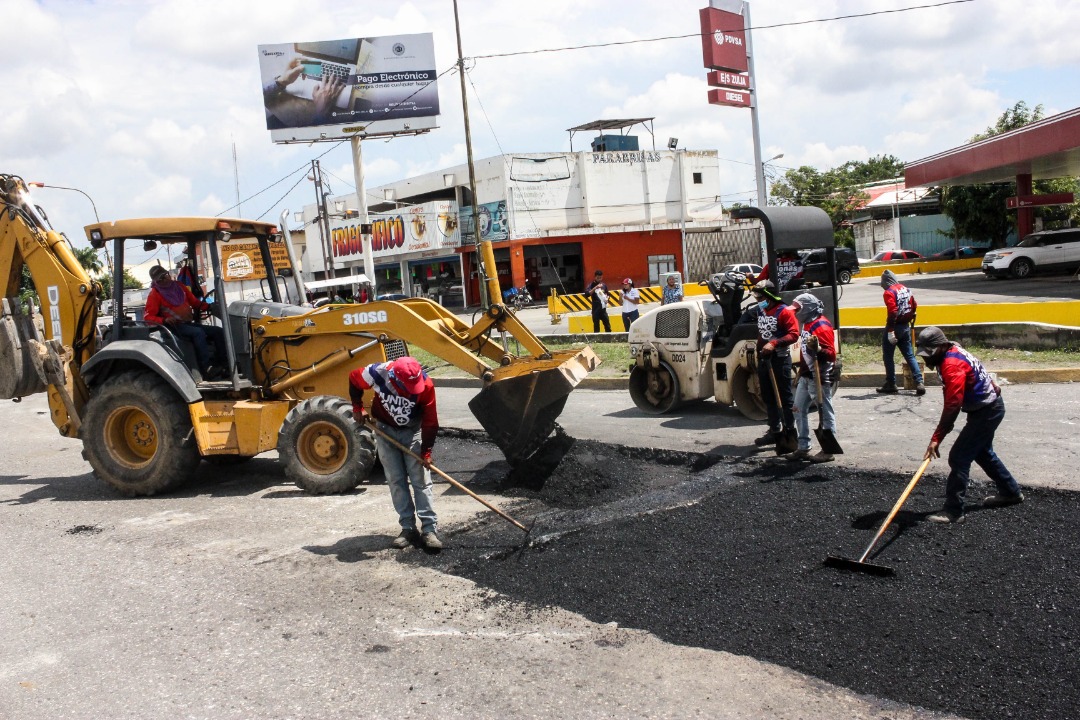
(698, 348)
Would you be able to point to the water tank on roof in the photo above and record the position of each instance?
(611, 143)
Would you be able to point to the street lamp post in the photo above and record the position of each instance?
(767, 176)
(97, 218)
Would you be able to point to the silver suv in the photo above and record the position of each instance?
(1045, 250)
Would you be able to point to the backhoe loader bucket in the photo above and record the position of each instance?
(519, 406)
(19, 376)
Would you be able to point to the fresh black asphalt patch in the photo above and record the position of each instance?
(981, 619)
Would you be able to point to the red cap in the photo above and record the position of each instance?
(627, 281)
(408, 374)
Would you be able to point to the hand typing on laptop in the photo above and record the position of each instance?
(324, 94)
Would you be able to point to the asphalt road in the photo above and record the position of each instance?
(241, 597)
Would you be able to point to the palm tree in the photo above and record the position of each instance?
(89, 259)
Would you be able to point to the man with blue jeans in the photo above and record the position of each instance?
(817, 353)
(968, 388)
(404, 409)
(900, 308)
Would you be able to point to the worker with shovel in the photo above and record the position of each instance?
(777, 331)
(968, 388)
(403, 409)
(817, 356)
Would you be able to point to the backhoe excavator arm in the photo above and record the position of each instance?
(68, 308)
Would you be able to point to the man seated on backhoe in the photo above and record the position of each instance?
(171, 304)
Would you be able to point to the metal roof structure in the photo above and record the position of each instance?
(1047, 149)
(620, 125)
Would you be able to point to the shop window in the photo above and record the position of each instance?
(660, 264)
(697, 178)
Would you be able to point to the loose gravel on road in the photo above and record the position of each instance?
(980, 620)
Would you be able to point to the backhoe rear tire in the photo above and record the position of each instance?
(137, 435)
(324, 450)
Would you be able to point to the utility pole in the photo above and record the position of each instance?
(324, 222)
(485, 256)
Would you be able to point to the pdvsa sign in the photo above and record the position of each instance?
(723, 40)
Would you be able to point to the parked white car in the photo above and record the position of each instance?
(1045, 250)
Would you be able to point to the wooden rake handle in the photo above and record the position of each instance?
(446, 477)
(896, 508)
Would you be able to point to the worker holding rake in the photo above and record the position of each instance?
(817, 354)
(403, 410)
(970, 389)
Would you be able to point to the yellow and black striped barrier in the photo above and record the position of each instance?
(581, 302)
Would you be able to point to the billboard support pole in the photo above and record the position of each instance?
(489, 286)
(361, 197)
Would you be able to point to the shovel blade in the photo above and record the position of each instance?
(787, 442)
(841, 563)
(828, 442)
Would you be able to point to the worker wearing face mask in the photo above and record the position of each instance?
(968, 388)
(778, 330)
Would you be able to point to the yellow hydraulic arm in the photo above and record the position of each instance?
(68, 307)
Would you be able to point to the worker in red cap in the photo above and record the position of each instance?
(404, 409)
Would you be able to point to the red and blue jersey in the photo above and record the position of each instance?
(900, 305)
(967, 387)
(393, 405)
(777, 324)
(825, 355)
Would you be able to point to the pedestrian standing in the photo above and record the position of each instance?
(817, 353)
(778, 330)
(404, 409)
(630, 300)
(900, 308)
(967, 388)
(598, 296)
(673, 292)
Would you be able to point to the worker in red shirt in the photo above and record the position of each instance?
(789, 271)
(404, 409)
(968, 388)
(900, 308)
(817, 353)
(171, 303)
(778, 330)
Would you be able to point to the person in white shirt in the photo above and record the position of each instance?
(630, 301)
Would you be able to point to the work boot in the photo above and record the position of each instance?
(945, 517)
(920, 389)
(431, 541)
(822, 457)
(888, 388)
(768, 438)
(404, 539)
(799, 455)
(993, 501)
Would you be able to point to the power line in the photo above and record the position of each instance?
(698, 34)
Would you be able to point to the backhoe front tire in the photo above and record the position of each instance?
(324, 450)
(137, 435)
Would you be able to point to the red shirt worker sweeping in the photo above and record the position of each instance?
(968, 388)
(170, 303)
(404, 409)
(778, 330)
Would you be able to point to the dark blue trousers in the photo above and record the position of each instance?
(781, 365)
(976, 444)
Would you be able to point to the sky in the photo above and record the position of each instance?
(143, 105)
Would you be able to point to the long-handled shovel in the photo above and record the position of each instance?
(786, 441)
(861, 565)
(826, 438)
(449, 479)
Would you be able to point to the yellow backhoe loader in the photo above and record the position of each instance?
(132, 392)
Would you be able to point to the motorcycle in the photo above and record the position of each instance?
(518, 298)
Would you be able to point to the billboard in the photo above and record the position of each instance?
(430, 227)
(243, 261)
(333, 89)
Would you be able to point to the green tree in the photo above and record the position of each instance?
(130, 283)
(89, 259)
(836, 191)
(978, 212)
